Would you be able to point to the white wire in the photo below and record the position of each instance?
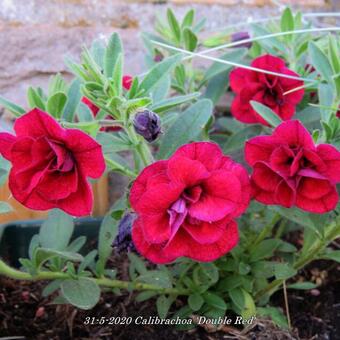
(227, 62)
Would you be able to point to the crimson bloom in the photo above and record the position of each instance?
(186, 205)
(50, 164)
(264, 88)
(127, 82)
(290, 170)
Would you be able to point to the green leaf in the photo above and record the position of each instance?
(41, 255)
(174, 26)
(163, 305)
(326, 97)
(266, 113)
(287, 23)
(56, 104)
(218, 68)
(158, 72)
(137, 263)
(88, 260)
(157, 278)
(264, 249)
(284, 271)
(5, 207)
(302, 285)
(334, 255)
(11, 107)
(51, 288)
(333, 49)
(190, 39)
(34, 244)
(275, 314)
(146, 295)
(160, 92)
(270, 44)
(34, 99)
(118, 76)
(237, 297)
(112, 143)
(297, 216)
(195, 302)
(187, 127)
(214, 300)
(56, 84)
(172, 102)
(320, 61)
(211, 271)
(188, 19)
(76, 244)
(133, 105)
(217, 87)
(98, 52)
(73, 99)
(113, 49)
(249, 309)
(83, 293)
(107, 233)
(84, 113)
(56, 231)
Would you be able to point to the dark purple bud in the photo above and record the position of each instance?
(239, 36)
(147, 124)
(158, 57)
(123, 241)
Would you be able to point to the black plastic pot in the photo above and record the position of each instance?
(16, 237)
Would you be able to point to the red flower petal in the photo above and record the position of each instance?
(6, 142)
(221, 193)
(331, 157)
(80, 202)
(37, 123)
(87, 152)
(238, 78)
(187, 171)
(320, 205)
(259, 148)
(209, 154)
(184, 245)
(140, 184)
(294, 134)
(127, 82)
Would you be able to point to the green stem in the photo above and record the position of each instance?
(104, 282)
(266, 230)
(116, 166)
(313, 253)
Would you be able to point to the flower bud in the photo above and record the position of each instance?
(123, 241)
(158, 57)
(147, 124)
(239, 36)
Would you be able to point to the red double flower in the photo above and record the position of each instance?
(186, 205)
(50, 164)
(267, 89)
(290, 170)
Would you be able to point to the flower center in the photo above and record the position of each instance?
(178, 211)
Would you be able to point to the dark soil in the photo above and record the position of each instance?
(25, 313)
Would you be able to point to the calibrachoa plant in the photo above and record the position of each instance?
(212, 196)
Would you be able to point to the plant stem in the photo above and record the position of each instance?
(123, 169)
(104, 282)
(302, 261)
(266, 230)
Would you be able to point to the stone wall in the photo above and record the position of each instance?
(35, 35)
